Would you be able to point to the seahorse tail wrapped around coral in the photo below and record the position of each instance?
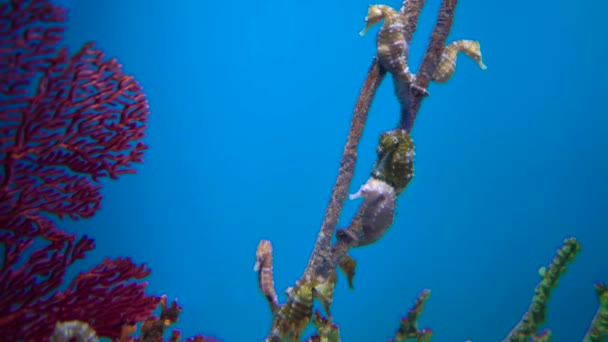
(292, 318)
(447, 64)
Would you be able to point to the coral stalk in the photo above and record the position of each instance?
(292, 317)
(410, 103)
(327, 331)
(599, 325)
(408, 327)
(319, 262)
(527, 328)
(410, 11)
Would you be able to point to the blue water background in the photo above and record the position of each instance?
(251, 104)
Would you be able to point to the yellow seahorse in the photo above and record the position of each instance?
(447, 64)
(391, 44)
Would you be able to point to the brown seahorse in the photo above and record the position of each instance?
(447, 64)
(391, 44)
(263, 265)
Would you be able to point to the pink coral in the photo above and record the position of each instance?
(65, 122)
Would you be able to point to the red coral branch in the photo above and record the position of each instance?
(84, 120)
(65, 122)
(102, 296)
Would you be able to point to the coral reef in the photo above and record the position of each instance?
(66, 122)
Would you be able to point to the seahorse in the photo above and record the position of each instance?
(380, 211)
(292, 318)
(263, 265)
(447, 64)
(393, 171)
(391, 44)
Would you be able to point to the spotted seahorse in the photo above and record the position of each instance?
(391, 44)
(393, 171)
(447, 64)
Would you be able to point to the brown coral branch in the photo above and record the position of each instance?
(348, 238)
(318, 280)
(410, 104)
(411, 12)
(319, 263)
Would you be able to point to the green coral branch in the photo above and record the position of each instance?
(327, 331)
(408, 327)
(527, 328)
(599, 325)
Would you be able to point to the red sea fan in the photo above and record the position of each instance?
(65, 122)
(103, 296)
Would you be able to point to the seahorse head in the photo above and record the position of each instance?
(473, 50)
(395, 162)
(375, 14)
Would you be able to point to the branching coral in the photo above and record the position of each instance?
(392, 171)
(390, 175)
(408, 327)
(66, 122)
(527, 328)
